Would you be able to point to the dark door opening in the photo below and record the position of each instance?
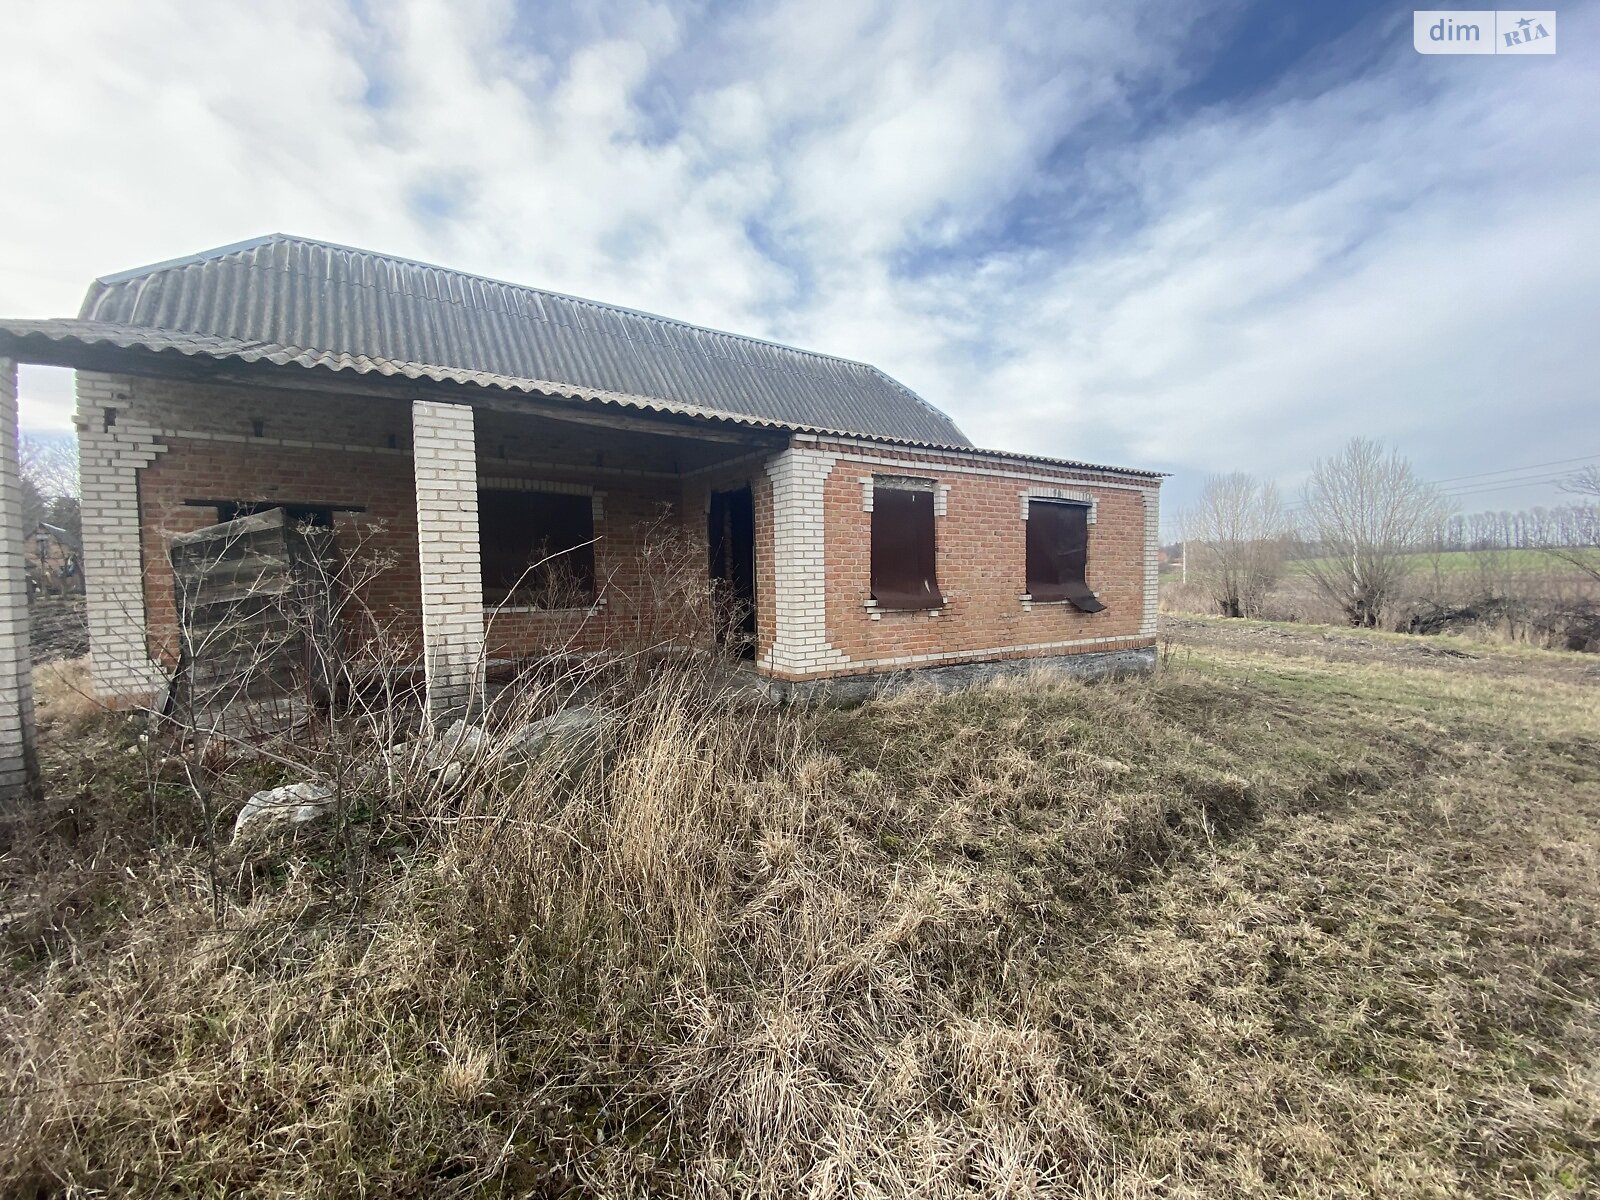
(731, 535)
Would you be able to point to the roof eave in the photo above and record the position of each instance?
(45, 338)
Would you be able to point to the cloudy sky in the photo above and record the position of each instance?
(1197, 237)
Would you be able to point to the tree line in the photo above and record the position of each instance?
(1537, 528)
(1364, 519)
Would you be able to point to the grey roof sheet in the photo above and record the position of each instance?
(16, 336)
(197, 345)
(332, 304)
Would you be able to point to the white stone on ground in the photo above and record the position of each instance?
(296, 803)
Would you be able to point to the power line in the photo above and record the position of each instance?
(1530, 467)
(1506, 487)
(1465, 493)
(1545, 477)
(1542, 479)
(1494, 486)
(1532, 477)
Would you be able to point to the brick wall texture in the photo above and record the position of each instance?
(824, 552)
(151, 448)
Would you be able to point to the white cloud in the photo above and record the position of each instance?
(1424, 267)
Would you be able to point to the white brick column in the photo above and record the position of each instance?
(1152, 562)
(113, 447)
(446, 469)
(800, 636)
(18, 766)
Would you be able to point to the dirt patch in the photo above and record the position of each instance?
(58, 628)
(1434, 653)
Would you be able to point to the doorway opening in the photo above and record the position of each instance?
(731, 536)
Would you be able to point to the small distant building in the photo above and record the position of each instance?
(53, 560)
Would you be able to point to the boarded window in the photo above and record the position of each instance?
(537, 548)
(1058, 554)
(903, 573)
(317, 516)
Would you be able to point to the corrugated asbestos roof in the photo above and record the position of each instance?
(338, 303)
(190, 345)
(289, 301)
(193, 345)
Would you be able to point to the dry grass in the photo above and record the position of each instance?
(63, 693)
(1524, 597)
(1257, 927)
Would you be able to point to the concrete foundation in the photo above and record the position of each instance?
(855, 688)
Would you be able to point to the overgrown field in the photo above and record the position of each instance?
(1521, 561)
(1263, 925)
(1528, 597)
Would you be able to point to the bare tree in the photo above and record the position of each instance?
(34, 508)
(50, 462)
(1235, 532)
(1583, 483)
(49, 470)
(1368, 512)
(1581, 547)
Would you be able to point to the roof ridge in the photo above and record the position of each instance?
(189, 260)
(256, 242)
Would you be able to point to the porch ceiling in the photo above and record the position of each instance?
(518, 435)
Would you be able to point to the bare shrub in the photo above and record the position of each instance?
(50, 464)
(1367, 513)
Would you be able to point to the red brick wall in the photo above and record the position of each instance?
(640, 524)
(355, 452)
(650, 514)
(632, 515)
(208, 470)
(981, 564)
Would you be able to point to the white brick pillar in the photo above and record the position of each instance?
(114, 445)
(18, 765)
(1152, 562)
(800, 632)
(446, 469)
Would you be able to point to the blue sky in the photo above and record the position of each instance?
(1198, 237)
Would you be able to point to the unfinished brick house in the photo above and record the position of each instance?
(470, 427)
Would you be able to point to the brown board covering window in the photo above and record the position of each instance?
(536, 548)
(1058, 554)
(903, 549)
(318, 516)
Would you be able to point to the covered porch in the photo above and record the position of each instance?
(506, 520)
